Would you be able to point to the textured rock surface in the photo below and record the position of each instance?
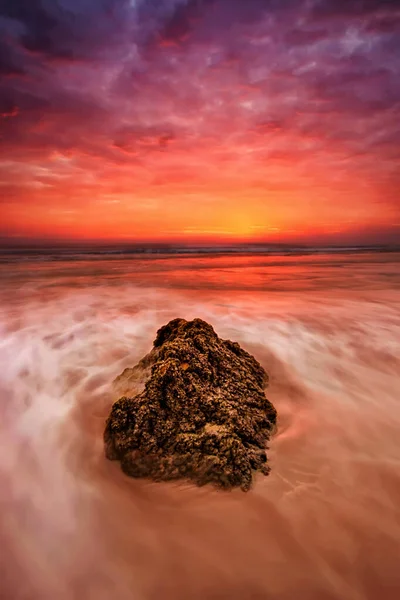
(195, 408)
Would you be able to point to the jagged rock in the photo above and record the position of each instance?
(195, 408)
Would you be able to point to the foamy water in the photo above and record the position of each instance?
(324, 525)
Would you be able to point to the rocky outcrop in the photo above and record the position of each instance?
(194, 408)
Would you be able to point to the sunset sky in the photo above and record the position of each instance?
(200, 120)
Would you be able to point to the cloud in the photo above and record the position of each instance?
(357, 8)
(66, 29)
(226, 92)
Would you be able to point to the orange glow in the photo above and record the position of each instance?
(217, 193)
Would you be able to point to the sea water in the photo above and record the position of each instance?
(324, 525)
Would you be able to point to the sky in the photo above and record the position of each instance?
(200, 120)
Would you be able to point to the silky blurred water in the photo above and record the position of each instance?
(324, 525)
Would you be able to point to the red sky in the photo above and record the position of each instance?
(201, 120)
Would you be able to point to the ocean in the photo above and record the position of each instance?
(324, 525)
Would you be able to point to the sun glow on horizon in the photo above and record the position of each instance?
(245, 127)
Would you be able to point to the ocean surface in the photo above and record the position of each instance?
(325, 525)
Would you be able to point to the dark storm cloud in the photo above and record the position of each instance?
(65, 29)
(182, 21)
(10, 62)
(358, 8)
(40, 38)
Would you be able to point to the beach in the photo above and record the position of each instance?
(324, 525)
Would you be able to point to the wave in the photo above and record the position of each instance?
(25, 254)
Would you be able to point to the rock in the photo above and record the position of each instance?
(193, 408)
